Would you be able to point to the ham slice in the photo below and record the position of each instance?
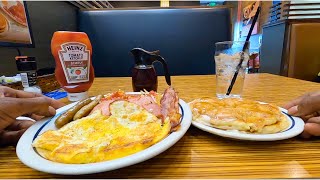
(169, 104)
(170, 107)
(145, 101)
(104, 106)
(148, 103)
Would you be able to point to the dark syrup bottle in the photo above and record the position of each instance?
(144, 76)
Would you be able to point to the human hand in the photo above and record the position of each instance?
(8, 92)
(15, 103)
(308, 108)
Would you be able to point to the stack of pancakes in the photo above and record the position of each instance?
(239, 114)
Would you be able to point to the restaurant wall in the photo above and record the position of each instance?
(46, 17)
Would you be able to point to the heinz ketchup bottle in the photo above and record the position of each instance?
(74, 70)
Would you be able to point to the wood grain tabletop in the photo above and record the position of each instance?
(202, 155)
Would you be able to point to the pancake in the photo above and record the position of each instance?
(239, 114)
(129, 129)
(3, 23)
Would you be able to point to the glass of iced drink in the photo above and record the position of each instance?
(227, 58)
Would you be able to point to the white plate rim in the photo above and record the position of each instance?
(296, 127)
(29, 157)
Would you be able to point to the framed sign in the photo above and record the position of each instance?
(15, 27)
(248, 11)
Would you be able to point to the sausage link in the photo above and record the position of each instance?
(85, 110)
(66, 117)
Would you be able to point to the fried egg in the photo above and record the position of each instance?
(130, 128)
(239, 114)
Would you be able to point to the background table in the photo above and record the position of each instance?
(202, 155)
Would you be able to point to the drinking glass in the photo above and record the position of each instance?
(227, 57)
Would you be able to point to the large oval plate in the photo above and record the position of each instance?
(296, 127)
(31, 158)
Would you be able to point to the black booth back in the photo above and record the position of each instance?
(185, 38)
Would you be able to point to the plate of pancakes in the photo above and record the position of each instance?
(244, 119)
(105, 132)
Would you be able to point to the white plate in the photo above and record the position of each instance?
(296, 127)
(31, 158)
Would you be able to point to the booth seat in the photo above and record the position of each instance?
(186, 37)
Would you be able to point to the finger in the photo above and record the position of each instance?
(39, 117)
(312, 128)
(24, 94)
(314, 120)
(36, 117)
(8, 92)
(10, 137)
(51, 110)
(20, 124)
(310, 116)
(299, 99)
(11, 108)
(309, 105)
(55, 104)
(20, 106)
(293, 103)
(293, 110)
(307, 117)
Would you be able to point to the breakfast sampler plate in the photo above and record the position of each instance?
(296, 126)
(30, 157)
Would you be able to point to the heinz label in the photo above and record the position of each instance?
(75, 61)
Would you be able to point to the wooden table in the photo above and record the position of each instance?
(202, 155)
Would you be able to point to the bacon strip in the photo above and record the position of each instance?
(170, 107)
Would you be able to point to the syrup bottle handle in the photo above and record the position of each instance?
(165, 67)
